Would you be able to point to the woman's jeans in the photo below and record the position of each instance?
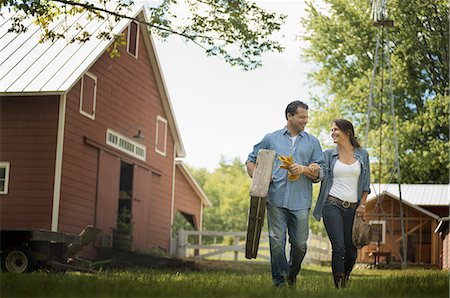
(296, 223)
(338, 222)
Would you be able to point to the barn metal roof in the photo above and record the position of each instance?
(53, 67)
(26, 65)
(416, 194)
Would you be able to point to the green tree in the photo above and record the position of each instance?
(228, 189)
(341, 41)
(236, 30)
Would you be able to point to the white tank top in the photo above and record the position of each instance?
(345, 181)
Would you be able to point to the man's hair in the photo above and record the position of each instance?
(293, 106)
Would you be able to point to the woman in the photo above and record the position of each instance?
(343, 192)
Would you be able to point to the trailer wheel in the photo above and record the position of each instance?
(18, 259)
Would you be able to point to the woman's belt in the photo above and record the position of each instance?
(345, 204)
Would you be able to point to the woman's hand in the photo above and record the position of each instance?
(360, 211)
(314, 167)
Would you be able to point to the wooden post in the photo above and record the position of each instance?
(182, 242)
(434, 244)
(236, 245)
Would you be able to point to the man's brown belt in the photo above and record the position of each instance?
(345, 204)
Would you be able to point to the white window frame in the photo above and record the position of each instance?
(94, 103)
(137, 40)
(383, 230)
(160, 119)
(6, 166)
(126, 145)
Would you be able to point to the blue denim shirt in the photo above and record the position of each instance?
(282, 193)
(331, 156)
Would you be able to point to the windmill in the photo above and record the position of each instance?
(383, 23)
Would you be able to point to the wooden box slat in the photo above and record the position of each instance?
(262, 174)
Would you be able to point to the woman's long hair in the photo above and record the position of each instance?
(347, 127)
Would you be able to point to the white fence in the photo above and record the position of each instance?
(231, 246)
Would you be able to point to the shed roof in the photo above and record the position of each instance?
(416, 194)
(28, 67)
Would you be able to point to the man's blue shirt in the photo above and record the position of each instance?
(294, 195)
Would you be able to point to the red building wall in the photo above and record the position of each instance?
(28, 130)
(186, 199)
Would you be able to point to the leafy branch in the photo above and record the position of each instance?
(238, 31)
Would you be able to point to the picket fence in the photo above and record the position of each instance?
(231, 246)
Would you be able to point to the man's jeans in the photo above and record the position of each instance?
(296, 223)
(338, 222)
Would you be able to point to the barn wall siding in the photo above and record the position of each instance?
(186, 200)
(28, 128)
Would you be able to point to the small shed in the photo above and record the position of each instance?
(423, 245)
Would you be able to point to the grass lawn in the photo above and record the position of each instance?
(224, 279)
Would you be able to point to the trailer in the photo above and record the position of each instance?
(25, 250)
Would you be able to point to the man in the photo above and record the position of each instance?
(288, 202)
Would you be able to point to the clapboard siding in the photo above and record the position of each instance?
(28, 127)
(187, 200)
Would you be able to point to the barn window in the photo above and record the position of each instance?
(378, 231)
(126, 145)
(88, 95)
(4, 177)
(161, 135)
(133, 39)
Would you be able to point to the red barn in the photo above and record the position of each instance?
(86, 137)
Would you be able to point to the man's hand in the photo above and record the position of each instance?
(295, 169)
(250, 168)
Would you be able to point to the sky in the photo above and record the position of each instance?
(223, 111)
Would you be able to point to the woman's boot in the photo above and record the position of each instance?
(346, 278)
(339, 280)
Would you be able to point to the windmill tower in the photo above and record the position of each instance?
(382, 56)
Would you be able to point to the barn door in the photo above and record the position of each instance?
(141, 207)
(107, 196)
